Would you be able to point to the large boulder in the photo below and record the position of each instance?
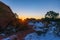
(6, 15)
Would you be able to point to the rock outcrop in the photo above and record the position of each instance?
(6, 15)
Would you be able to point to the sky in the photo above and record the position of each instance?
(33, 8)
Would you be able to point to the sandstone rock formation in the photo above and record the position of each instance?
(6, 15)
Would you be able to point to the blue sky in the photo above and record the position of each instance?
(33, 8)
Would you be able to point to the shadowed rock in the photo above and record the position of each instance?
(6, 15)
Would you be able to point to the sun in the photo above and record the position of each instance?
(22, 17)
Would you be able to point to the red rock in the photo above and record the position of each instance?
(6, 15)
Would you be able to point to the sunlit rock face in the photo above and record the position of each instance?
(6, 14)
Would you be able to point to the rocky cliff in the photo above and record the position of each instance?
(6, 15)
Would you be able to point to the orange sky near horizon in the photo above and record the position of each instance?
(36, 17)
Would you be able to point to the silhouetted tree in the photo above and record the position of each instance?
(16, 15)
(51, 14)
